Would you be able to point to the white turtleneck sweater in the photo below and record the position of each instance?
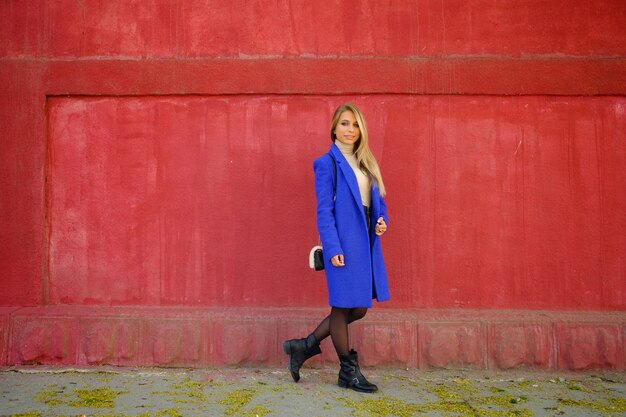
(362, 178)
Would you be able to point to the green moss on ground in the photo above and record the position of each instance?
(258, 411)
(96, 398)
(187, 391)
(458, 397)
(51, 398)
(577, 386)
(383, 406)
(613, 405)
(237, 399)
(30, 414)
(168, 412)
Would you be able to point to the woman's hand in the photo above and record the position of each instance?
(337, 260)
(381, 226)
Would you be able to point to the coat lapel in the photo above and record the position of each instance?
(344, 167)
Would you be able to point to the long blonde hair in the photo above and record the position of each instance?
(364, 155)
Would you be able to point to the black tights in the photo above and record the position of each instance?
(335, 325)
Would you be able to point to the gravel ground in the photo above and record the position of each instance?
(159, 392)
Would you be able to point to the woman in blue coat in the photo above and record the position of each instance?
(351, 218)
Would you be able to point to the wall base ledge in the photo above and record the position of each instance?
(233, 336)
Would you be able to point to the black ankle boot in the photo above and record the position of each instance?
(350, 375)
(299, 350)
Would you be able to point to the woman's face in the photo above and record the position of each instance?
(347, 130)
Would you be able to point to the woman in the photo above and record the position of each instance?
(349, 190)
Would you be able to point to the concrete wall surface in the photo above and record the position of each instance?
(157, 187)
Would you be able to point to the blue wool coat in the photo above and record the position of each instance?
(343, 230)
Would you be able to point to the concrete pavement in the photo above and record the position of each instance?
(159, 392)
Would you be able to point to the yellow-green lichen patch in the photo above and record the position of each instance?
(388, 407)
(96, 398)
(383, 406)
(258, 411)
(499, 400)
(465, 408)
(168, 412)
(507, 404)
(525, 383)
(237, 399)
(52, 398)
(444, 392)
(192, 395)
(461, 396)
(210, 382)
(619, 402)
(577, 386)
(188, 384)
(29, 414)
(528, 385)
(93, 398)
(186, 391)
(458, 407)
(615, 405)
(289, 389)
(466, 384)
(146, 414)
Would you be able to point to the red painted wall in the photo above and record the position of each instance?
(330, 28)
(496, 202)
(205, 197)
(156, 188)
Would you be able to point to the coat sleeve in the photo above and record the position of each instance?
(325, 195)
(383, 210)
